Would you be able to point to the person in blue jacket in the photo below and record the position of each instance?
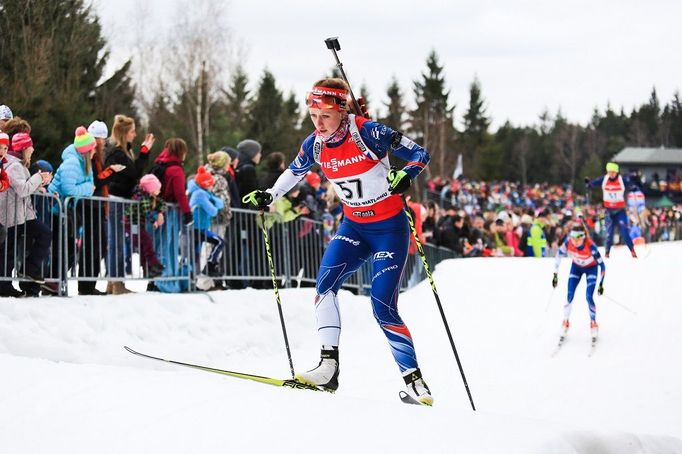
(205, 206)
(73, 179)
(613, 186)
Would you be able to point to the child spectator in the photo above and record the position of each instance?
(150, 209)
(205, 206)
(18, 216)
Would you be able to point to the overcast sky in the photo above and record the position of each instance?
(528, 55)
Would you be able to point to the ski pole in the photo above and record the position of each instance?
(619, 304)
(549, 300)
(422, 254)
(271, 264)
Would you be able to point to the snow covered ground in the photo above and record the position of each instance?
(67, 385)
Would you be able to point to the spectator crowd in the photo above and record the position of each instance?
(125, 202)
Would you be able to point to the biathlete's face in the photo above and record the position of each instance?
(578, 238)
(326, 121)
(612, 174)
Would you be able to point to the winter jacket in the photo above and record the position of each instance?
(231, 177)
(204, 204)
(537, 242)
(4, 178)
(221, 189)
(247, 181)
(15, 203)
(70, 180)
(150, 207)
(122, 183)
(173, 181)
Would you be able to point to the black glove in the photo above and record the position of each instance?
(587, 181)
(555, 280)
(258, 199)
(399, 181)
(187, 218)
(600, 289)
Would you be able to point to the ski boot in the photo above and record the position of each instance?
(594, 329)
(326, 375)
(634, 254)
(416, 387)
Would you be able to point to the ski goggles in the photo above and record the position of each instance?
(577, 234)
(327, 98)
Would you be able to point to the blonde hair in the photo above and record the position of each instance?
(122, 126)
(332, 82)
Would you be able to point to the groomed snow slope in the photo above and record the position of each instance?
(67, 385)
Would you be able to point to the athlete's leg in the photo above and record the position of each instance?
(573, 281)
(591, 276)
(622, 220)
(610, 225)
(344, 255)
(389, 253)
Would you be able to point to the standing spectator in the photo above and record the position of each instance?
(4, 179)
(537, 240)
(16, 212)
(94, 220)
(121, 185)
(169, 170)
(150, 210)
(429, 226)
(218, 165)
(274, 166)
(205, 206)
(250, 153)
(73, 179)
(235, 199)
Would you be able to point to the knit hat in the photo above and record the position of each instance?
(203, 178)
(21, 141)
(98, 129)
(313, 179)
(42, 166)
(150, 184)
(232, 153)
(249, 148)
(612, 167)
(218, 160)
(84, 142)
(5, 113)
(4, 139)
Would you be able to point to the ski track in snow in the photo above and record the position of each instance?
(68, 386)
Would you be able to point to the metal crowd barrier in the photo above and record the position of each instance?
(297, 248)
(21, 238)
(113, 239)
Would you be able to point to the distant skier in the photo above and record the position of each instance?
(353, 154)
(613, 186)
(586, 259)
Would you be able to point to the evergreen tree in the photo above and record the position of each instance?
(475, 134)
(237, 100)
(52, 58)
(431, 122)
(267, 111)
(395, 107)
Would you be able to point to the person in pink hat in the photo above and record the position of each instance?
(149, 213)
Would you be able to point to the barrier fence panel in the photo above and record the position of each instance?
(114, 239)
(29, 222)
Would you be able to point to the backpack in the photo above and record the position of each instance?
(159, 170)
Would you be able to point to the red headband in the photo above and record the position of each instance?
(327, 98)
